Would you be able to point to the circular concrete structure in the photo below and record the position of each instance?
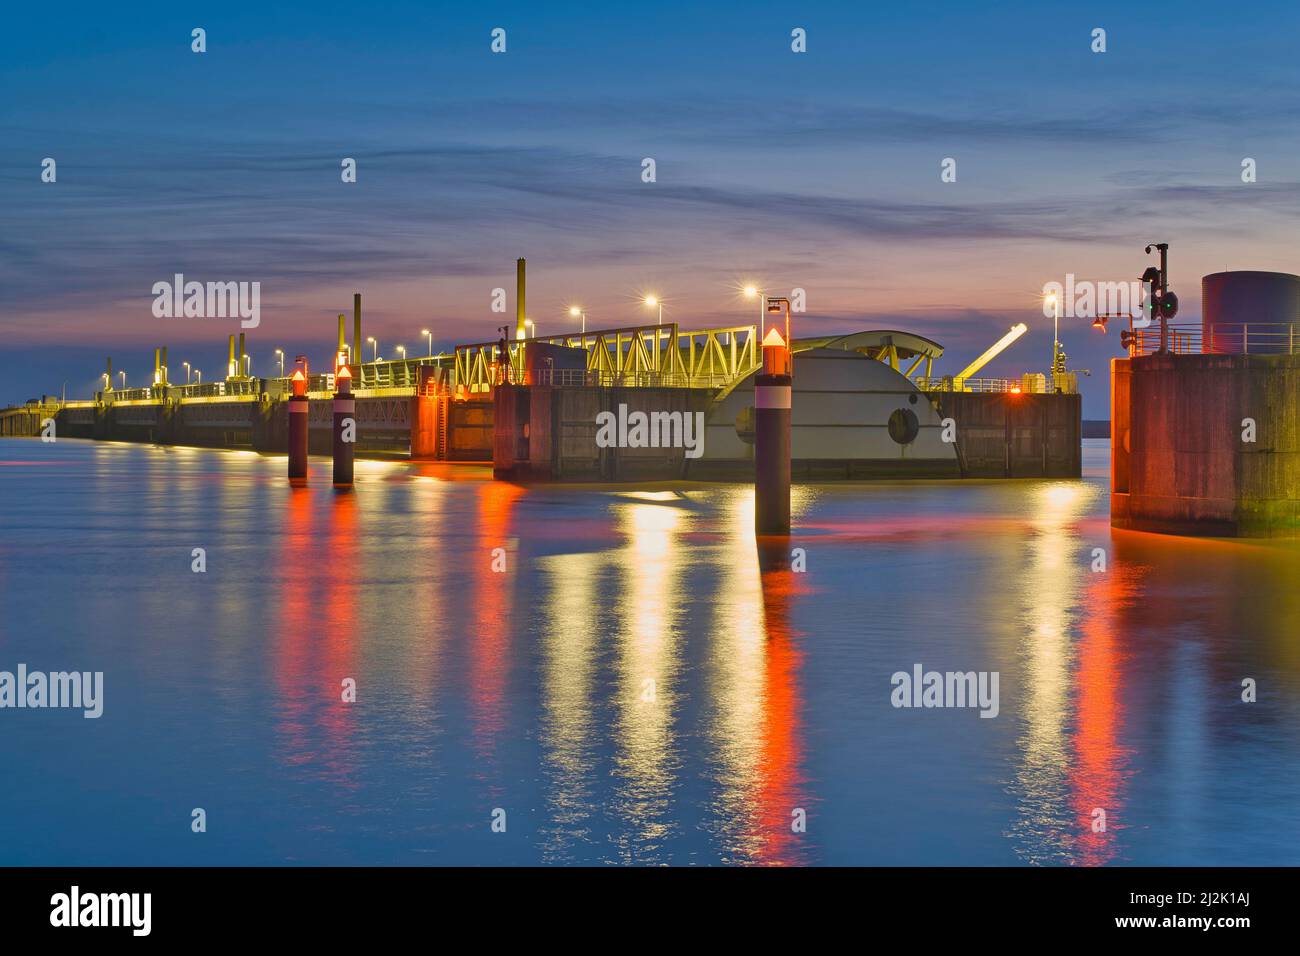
(1249, 311)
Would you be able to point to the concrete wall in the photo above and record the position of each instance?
(547, 434)
(26, 422)
(383, 424)
(1006, 435)
(1184, 466)
(470, 430)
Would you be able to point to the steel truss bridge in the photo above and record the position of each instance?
(666, 355)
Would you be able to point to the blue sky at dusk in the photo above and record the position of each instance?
(818, 170)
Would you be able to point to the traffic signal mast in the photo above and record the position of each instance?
(1161, 303)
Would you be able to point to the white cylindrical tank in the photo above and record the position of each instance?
(1250, 311)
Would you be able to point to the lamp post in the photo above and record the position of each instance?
(530, 322)
(280, 354)
(187, 372)
(654, 301)
(402, 349)
(374, 355)
(428, 335)
(123, 374)
(1056, 333)
(577, 311)
(198, 376)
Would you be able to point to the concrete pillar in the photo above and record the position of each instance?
(356, 329)
(520, 314)
(345, 408)
(426, 408)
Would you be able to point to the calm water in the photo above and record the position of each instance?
(634, 688)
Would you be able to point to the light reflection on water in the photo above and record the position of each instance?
(642, 684)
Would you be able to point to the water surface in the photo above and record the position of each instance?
(635, 687)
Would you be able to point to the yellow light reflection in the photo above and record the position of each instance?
(737, 667)
(569, 661)
(1049, 583)
(647, 666)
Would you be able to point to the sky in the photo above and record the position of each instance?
(817, 170)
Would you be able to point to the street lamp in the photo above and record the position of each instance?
(402, 349)
(187, 372)
(374, 354)
(123, 374)
(652, 301)
(248, 364)
(1055, 302)
(428, 335)
(280, 353)
(198, 376)
(528, 322)
(576, 311)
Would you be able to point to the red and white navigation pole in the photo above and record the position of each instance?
(772, 389)
(298, 427)
(345, 426)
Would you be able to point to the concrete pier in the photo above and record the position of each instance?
(1009, 435)
(1182, 459)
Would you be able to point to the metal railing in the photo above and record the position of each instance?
(1219, 338)
(402, 373)
(199, 390)
(1029, 384)
(129, 394)
(317, 382)
(576, 377)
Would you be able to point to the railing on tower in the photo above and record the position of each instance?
(1219, 338)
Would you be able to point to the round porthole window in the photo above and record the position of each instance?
(904, 426)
